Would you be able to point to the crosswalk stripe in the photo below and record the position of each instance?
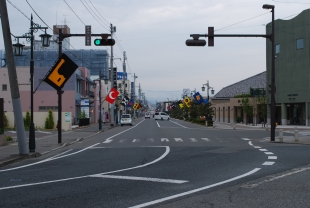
(164, 139)
(193, 139)
(206, 139)
(178, 139)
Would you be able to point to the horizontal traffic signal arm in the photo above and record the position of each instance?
(228, 35)
(63, 36)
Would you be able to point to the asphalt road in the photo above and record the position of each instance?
(152, 163)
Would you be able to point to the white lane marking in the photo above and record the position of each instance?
(272, 157)
(195, 190)
(268, 163)
(136, 140)
(164, 140)
(245, 139)
(263, 150)
(45, 132)
(49, 159)
(179, 124)
(158, 124)
(150, 140)
(122, 140)
(67, 179)
(268, 153)
(140, 178)
(12, 132)
(206, 139)
(250, 143)
(193, 140)
(109, 139)
(178, 139)
(60, 154)
(257, 147)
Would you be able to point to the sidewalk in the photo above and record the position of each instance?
(302, 135)
(47, 142)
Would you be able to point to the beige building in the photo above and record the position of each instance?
(227, 108)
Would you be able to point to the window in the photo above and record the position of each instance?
(46, 108)
(277, 48)
(4, 87)
(300, 43)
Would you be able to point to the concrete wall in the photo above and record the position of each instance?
(40, 117)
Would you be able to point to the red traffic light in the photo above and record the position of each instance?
(191, 42)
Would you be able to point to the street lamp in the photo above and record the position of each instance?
(18, 49)
(273, 85)
(212, 91)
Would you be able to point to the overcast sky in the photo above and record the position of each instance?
(153, 34)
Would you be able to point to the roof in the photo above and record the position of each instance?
(242, 87)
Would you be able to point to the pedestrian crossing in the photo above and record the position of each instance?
(163, 140)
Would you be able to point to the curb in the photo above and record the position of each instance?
(19, 158)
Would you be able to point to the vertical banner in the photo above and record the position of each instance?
(114, 77)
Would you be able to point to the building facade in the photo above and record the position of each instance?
(292, 69)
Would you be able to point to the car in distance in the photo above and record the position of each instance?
(126, 120)
(147, 115)
(161, 116)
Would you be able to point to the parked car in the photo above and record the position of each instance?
(147, 115)
(126, 120)
(161, 116)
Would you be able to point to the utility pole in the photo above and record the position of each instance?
(124, 78)
(100, 107)
(112, 105)
(134, 84)
(18, 116)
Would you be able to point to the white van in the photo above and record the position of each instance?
(161, 116)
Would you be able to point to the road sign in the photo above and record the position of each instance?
(60, 72)
(87, 35)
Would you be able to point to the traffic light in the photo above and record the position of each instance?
(210, 36)
(104, 42)
(195, 42)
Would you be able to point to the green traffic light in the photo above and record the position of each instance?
(97, 42)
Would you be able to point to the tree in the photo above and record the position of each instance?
(262, 108)
(5, 121)
(49, 121)
(27, 120)
(247, 107)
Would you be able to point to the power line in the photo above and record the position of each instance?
(99, 13)
(96, 14)
(74, 12)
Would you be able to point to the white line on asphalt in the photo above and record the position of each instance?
(268, 153)
(140, 178)
(245, 139)
(250, 143)
(158, 124)
(195, 190)
(60, 154)
(179, 124)
(150, 140)
(272, 157)
(67, 179)
(257, 147)
(136, 140)
(48, 159)
(268, 163)
(45, 132)
(108, 139)
(206, 139)
(193, 139)
(263, 150)
(164, 140)
(178, 139)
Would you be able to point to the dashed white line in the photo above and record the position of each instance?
(257, 147)
(164, 140)
(268, 163)
(263, 150)
(206, 139)
(178, 139)
(268, 153)
(272, 157)
(245, 139)
(193, 139)
(136, 140)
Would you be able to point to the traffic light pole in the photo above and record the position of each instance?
(197, 42)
